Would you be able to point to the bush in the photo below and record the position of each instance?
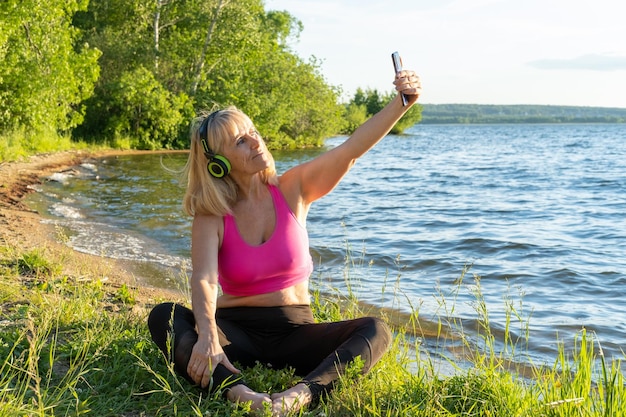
(147, 112)
(137, 111)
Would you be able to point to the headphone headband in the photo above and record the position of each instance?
(203, 131)
(218, 166)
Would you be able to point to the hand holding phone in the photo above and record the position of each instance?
(397, 66)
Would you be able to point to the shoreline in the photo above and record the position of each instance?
(23, 229)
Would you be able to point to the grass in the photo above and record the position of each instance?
(15, 145)
(19, 144)
(71, 346)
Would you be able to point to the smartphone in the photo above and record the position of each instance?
(397, 66)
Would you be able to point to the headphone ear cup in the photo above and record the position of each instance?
(218, 166)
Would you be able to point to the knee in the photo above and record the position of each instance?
(160, 324)
(160, 316)
(378, 337)
(381, 334)
(377, 334)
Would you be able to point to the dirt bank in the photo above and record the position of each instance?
(22, 229)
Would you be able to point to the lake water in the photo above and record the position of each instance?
(536, 212)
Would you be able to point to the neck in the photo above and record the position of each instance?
(251, 188)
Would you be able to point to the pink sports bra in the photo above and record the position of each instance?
(280, 262)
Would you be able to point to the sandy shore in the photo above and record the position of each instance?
(22, 228)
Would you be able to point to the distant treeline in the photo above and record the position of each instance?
(480, 113)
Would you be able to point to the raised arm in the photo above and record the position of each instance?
(318, 177)
(207, 352)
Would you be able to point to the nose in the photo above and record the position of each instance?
(255, 141)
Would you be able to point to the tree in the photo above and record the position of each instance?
(287, 98)
(138, 70)
(146, 112)
(355, 115)
(207, 42)
(207, 53)
(45, 73)
(373, 101)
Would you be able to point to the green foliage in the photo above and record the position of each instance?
(125, 295)
(45, 73)
(473, 395)
(33, 264)
(355, 115)
(142, 109)
(372, 102)
(133, 73)
(20, 143)
(294, 108)
(163, 60)
(410, 118)
(287, 98)
(371, 99)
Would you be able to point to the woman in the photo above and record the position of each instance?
(249, 238)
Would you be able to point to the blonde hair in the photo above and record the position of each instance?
(206, 194)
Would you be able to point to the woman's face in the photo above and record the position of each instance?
(246, 151)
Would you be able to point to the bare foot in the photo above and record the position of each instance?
(291, 401)
(243, 394)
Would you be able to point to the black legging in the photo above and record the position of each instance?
(278, 336)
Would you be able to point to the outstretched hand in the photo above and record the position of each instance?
(408, 83)
(203, 361)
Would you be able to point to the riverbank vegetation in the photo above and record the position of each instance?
(75, 345)
(132, 74)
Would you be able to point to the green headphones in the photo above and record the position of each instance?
(218, 166)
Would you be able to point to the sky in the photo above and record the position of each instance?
(555, 52)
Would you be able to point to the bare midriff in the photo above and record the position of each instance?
(294, 295)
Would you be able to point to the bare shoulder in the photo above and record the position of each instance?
(203, 220)
(207, 225)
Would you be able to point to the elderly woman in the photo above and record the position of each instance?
(249, 238)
